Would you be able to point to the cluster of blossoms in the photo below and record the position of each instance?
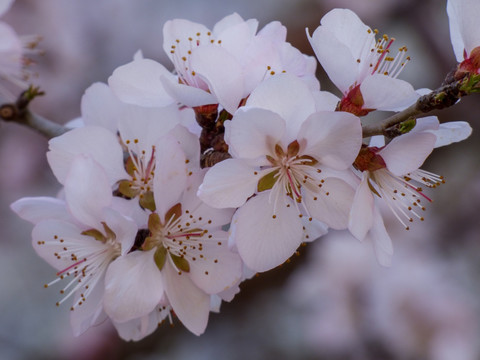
(179, 186)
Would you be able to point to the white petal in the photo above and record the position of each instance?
(222, 72)
(219, 269)
(332, 209)
(407, 153)
(189, 144)
(36, 209)
(463, 18)
(425, 124)
(381, 240)
(333, 138)
(100, 107)
(325, 101)
(229, 184)
(87, 191)
(170, 174)
(138, 82)
(265, 242)
(191, 305)
(125, 229)
(286, 95)
(146, 125)
(203, 215)
(133, 286)
(452, 132)
(253, 133)
(90, 313)
(361, 215)
(5, 6)
(95, 141)
(47, 241)
(385, 93)
(139, 328)
(188, 95)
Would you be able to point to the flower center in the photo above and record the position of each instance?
(90, 260)
(141, 168)
(178, 238)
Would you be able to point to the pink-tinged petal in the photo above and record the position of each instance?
(463, 18)
(253, 133)
(203, 216)
(235, 38)
(332, 204)
(377, 141)
(429, 123)
(264, 241)
(95, 141)
(335, 57)
(407, 153)
(138, 83)
(361, 215)
(170, 174)
(189, 144)
(381, 240)
(5, 6)
(191, 305)
(11, 54)
(222, 72)
(456, 36)
(288, 96)
(125, 229)
(47, 241)
(100, 107)
(333, 138)
(325, 101)
(176, 33)
(274, 31)
(385, 93)
(229, 184)
(146, 125)
(133, 286)
(90, 313)
(452, 132)
(230, 21)
(139, 328)
(87, 191)
(188, 95)
(219, 269)
(313, 229)
(36, 209)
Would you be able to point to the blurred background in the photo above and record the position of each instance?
(333, 301)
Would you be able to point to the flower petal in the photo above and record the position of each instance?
(332, 204)
(407, 153)
(133, 286)
(36, 209)
(385, 93)
(229, 184)
(138, 82)
(191, 305)
(95, 141)
(381, 240)
(361, 215)
(170, 175)
(265, 241)
(220, 268)
(452, 132)
(188, 95)
(333, 138)
(253, 133)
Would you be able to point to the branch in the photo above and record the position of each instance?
(443, 97)
(18, 112)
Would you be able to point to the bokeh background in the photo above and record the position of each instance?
(333, 301)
